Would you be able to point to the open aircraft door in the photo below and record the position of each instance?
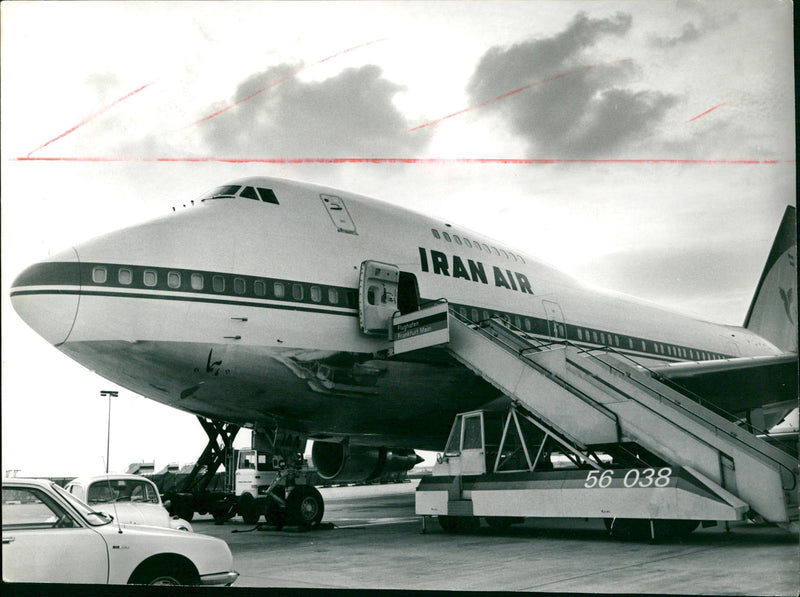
(556, 327)
(377, 296)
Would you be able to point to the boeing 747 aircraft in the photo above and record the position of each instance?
(268, 305)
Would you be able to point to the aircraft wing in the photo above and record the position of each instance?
(738, 384)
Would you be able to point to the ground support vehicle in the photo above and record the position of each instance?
(51, 536)
(271, 481)
(589, 434)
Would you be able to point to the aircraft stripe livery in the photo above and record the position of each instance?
(244, 308)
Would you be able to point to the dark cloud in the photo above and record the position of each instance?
(348, 115)
(689, 33)
(708, 22)
(503, 69)
(580, 109)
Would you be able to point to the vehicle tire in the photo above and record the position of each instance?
(221, 516)
(449, 524)
(458, 524)
(304, 506)
(163, 572)
(179, 506)
(249, 509)
(629, 529)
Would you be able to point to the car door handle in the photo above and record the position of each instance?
(8, 540)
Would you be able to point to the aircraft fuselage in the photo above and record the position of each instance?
(245, 309)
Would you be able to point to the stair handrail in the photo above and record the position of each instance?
(484, 331)
(539, 344)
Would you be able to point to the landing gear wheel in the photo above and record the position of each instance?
(248, 508)
(304, 506)
(275, 514)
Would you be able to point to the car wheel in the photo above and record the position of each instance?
(249, 509)
(304, 506)
(163, 571)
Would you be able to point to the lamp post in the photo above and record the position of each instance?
(110, 394)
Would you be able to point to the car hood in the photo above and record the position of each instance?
(128, 513)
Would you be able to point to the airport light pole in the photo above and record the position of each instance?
(110, 394)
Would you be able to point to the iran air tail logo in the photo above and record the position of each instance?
(787, 295)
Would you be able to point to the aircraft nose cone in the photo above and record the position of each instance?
(46, 296)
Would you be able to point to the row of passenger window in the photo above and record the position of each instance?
(197, 281)
(671, 350)
(595, 337)
(475, 245)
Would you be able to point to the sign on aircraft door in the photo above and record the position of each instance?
(556, 327)
(377, 296)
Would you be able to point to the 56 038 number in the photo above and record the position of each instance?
(648, 477)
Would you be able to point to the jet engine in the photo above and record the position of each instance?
(346, 463)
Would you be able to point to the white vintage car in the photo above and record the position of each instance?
(49, 535)
(130, 499)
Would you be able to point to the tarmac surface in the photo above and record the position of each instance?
(371, 539)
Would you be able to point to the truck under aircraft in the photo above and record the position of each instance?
(278, 306)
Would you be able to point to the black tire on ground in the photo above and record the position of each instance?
(164, 573)
(275, 514)
(457, 524)
(249, 509)
(183, 509)
(449, 524)
(629, 529)
(304, 506)
(221, 516)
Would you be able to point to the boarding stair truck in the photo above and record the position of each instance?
(590, 434)
(257, 482)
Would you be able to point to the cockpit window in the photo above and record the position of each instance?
(259, 194)
(249, 193)
(268, 196)
(225, 192)
(231, 191)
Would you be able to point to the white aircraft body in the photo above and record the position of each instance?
(244, 308)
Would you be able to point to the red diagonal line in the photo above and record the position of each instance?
(92, 117)
(278, 82)
(515, 91)
(389, 160)
(708, 111)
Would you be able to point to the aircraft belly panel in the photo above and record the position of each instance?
(313, 392)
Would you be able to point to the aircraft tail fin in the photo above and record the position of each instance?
(773, 311)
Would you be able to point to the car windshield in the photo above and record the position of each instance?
(122, 490)
(96, 519)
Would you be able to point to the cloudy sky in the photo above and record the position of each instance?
(643, 146)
